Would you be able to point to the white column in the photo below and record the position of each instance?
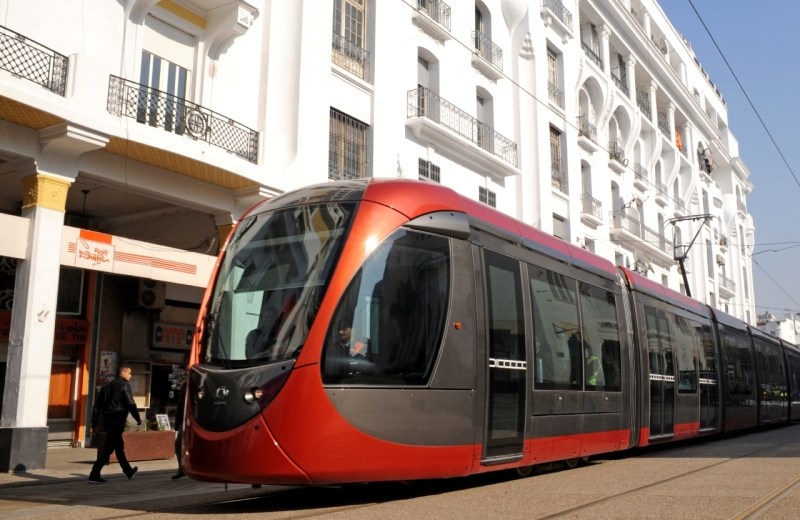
(45, 182)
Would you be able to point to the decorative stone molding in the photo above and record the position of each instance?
(45, 191)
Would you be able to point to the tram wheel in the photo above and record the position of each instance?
(524, 471)
(572, 463)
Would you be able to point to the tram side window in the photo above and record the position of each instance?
(601, 342)
(794, 378)
(707, 361)
(686, 348)
(559, 361)
(389, 323)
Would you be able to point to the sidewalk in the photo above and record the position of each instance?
(65, 464)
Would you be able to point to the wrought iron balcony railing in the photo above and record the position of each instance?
(423, 102)
(621, 85)
(622, 220)
(592, 206)
(663, 124)
(643, 101)
(727, 283)
(559, 180)
(657, 239)
(350, 57)
(555, 95)
(561, 12)
(592, 55)
(616, 152)
(488, 50)
(640, 172)
(177, 115)
(30, 60)
(437, 11)
(587, 129)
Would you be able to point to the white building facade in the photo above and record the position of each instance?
(134, 133)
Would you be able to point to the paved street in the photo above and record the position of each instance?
(747, 476)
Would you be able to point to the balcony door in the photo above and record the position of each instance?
(165, 74)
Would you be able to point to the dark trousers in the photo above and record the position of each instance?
(114, 426)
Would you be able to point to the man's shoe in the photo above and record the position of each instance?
(97, 480)
(179, 474)
(133, 472)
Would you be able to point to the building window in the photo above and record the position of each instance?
(164, 71)
(428, 170)
(347, 153)
(349, 19)
(487, 196)
(554, 92)
(710, 259)
(559, 227)
(558, 177)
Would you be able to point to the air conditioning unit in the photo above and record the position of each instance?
(720, 260)
(151, 294)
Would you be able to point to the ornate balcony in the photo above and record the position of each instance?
(663, 125)
(629, 231)
(662, 195)
(591, 210)
(179, 116)
(616, 157)
(433, 16)
(30, 60)
(555, 95)
(587, 134)
(592, 55)
(643, 102)
(559, 17)
(727, 286)
(350, 57)
(440, 122)
(620, 84)
(488, 57)
(640, 179)
(559, 180)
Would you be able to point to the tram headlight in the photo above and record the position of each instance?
(253, 395)
(199, 395)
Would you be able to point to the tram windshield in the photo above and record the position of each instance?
(271, 282)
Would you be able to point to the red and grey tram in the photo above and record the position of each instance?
(376, 330)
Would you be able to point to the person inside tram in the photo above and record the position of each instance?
(260, 339)
(594, 371)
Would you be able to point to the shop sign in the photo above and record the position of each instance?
(173, 335)
(71, 332)
(94, 251)
(68, 331)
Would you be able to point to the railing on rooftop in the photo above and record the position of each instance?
(30, 60)
(177, 115)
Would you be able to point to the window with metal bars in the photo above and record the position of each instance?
(347, 147)
(487, 196)
(428, 170)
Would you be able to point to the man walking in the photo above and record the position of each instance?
(111, 408)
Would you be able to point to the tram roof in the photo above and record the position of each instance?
(415, 198)
(645, 285)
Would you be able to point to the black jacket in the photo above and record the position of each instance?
(114, 398)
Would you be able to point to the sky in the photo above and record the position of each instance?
(759, 41)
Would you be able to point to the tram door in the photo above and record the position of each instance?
(709, 389)
(662, 373)
(506, 363)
